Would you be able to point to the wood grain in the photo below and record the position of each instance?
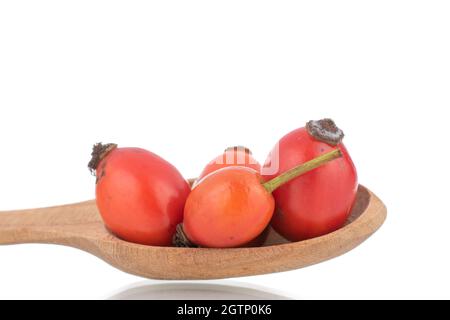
(79, 225)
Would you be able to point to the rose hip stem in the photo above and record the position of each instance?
(295, 172)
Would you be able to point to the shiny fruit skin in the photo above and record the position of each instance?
(318, 202)
(228, 208)
(231, 157)
(140, 196)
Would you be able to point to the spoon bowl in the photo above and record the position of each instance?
(80, 226)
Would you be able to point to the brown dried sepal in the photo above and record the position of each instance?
(325, 130)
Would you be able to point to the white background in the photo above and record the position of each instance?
(187, 78)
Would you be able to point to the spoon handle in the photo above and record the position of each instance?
(47, 225)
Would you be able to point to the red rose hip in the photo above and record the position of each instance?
(140, 196)
(232, 156)
(320, 201)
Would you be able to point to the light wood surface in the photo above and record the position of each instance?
(79, 225)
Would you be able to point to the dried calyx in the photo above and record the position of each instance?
(325, 130)
(239, 148)
(181, 240)
(99, 151)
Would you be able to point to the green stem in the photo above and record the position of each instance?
(283, 178)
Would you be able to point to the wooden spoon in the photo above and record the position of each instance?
(80, 226)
